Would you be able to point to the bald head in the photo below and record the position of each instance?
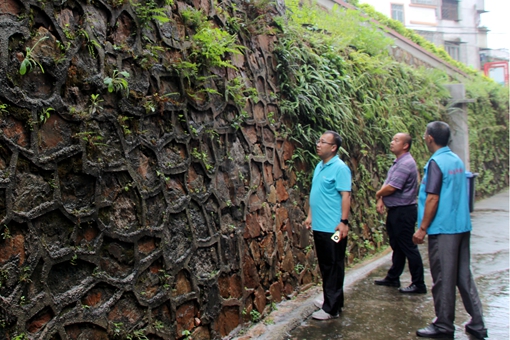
(401, 143)
(407, 140)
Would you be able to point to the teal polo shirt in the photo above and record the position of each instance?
(325, 199)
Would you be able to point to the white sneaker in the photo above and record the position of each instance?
(322, 315)
(318, 303)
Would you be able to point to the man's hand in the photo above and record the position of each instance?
(431, 203)
(419, 236)
(308, 222)
(380, 206)
(344, 230)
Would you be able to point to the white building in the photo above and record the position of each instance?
(453, 24)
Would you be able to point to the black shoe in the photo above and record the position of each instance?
(482, 334)
(431, 331)
(413, 289)
(386, 282)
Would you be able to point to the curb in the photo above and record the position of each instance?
(291, 313)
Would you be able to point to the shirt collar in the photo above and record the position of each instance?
(442, 150)
(405, 155)
(331, 161)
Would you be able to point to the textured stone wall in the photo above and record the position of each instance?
(405, 57)
(140, 213)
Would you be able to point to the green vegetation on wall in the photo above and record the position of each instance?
(488, 135)
(336, 74)
(488, 115)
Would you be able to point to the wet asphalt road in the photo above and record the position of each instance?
(379, 313)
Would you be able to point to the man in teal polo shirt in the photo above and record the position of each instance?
(443, 214)
(330, 202)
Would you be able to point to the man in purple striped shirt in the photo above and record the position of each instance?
(398, 194)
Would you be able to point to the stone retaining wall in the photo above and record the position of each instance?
(140, 213)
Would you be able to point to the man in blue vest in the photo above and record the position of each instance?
(330, 202)
(443, 215)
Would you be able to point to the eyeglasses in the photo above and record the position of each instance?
(319, 141)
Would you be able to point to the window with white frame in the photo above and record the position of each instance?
(450, 10)
(397, 12)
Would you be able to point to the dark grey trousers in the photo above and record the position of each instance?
(450, 266)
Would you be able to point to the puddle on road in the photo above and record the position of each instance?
(494, 292)
(381, 313)
(372, 312)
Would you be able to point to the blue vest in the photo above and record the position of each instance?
(452, 216)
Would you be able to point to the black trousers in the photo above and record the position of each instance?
(400, 224)
(331, 258)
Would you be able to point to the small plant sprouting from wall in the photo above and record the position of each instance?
(149, 10)
(193, 17)
(237, 90)
(118, 82)
(95, 104)
(3, 108)
(30, 61)
(45, 114)
(210, 44)
(92, 44)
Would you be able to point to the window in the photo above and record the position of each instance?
(397, 12)
(450, 10)
(453, 49)
(424, 2)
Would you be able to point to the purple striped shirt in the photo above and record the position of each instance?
(403, 175)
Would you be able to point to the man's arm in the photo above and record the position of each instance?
(431, 203)
(346, 208)
(385, 190)
(433, 189)
(308, 221)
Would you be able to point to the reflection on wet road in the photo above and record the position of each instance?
(380, 313)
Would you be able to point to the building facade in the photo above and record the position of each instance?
(452, 24)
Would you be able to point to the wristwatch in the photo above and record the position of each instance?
(346, 222)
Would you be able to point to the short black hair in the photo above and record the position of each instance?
(440, 131)
(337, 138)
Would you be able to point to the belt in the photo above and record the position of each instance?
(401, 206)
